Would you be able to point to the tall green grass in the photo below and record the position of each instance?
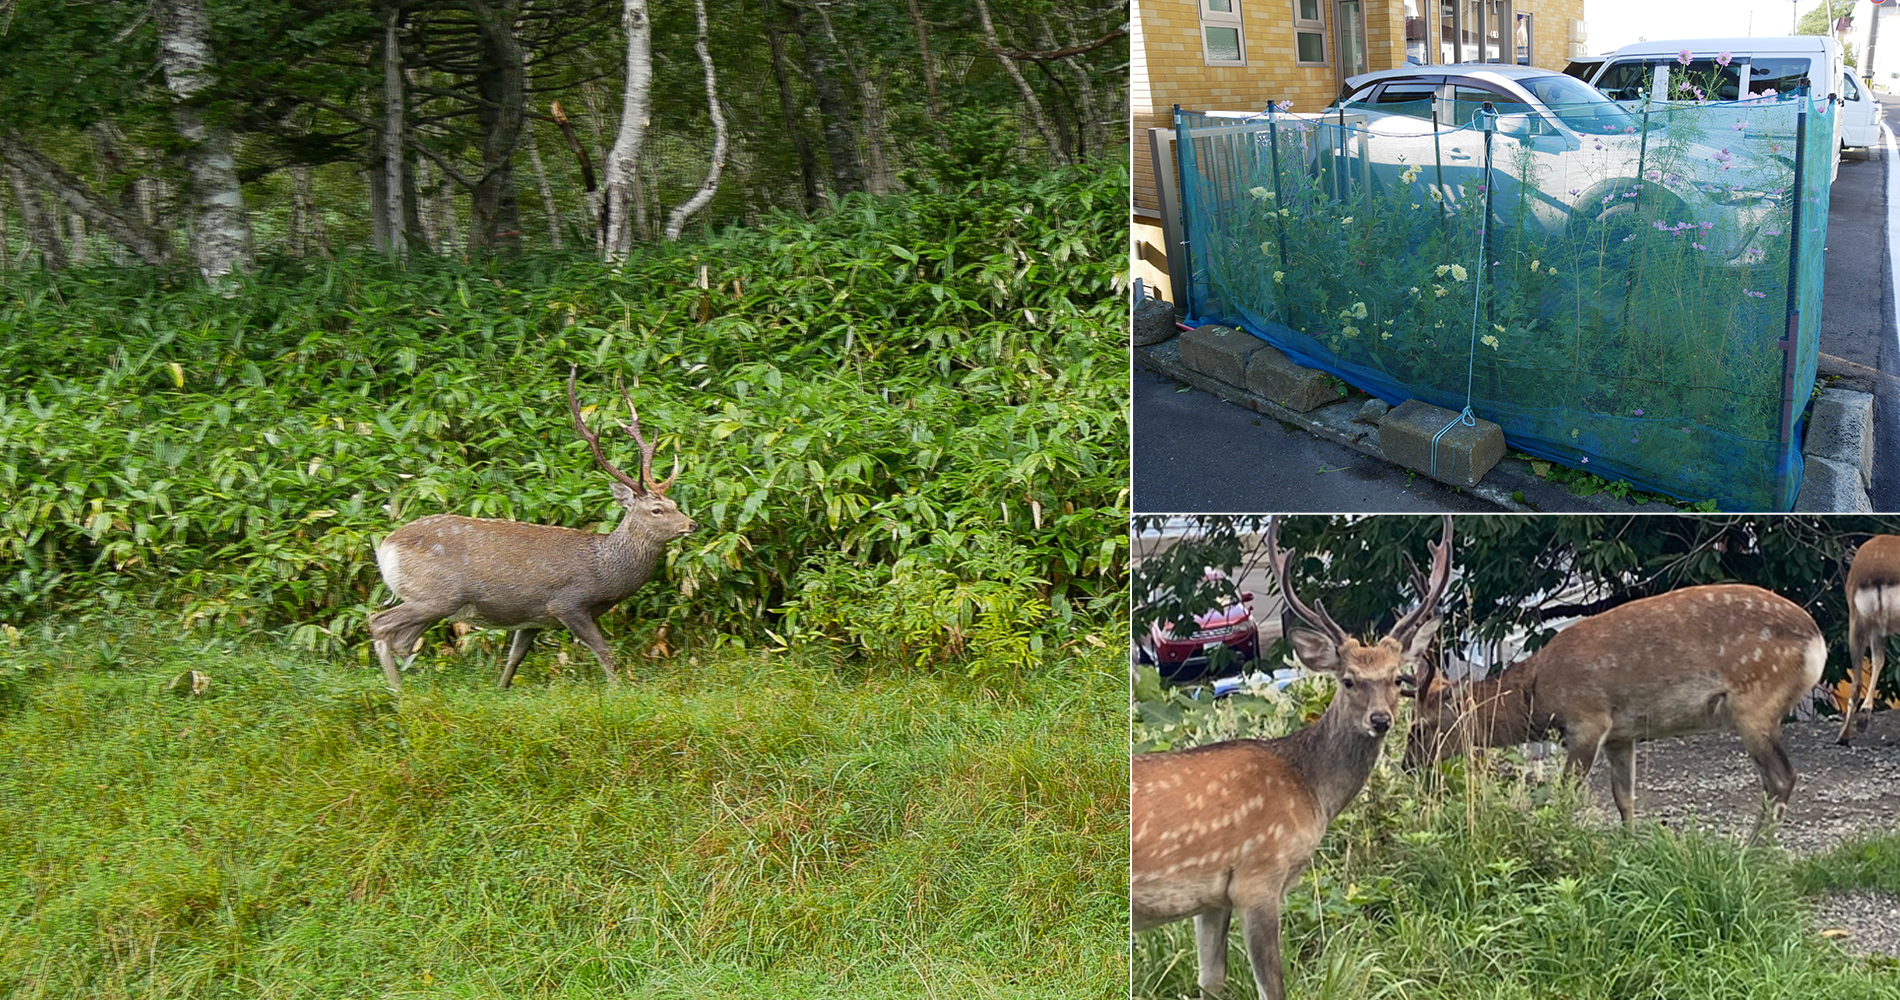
(744, 824)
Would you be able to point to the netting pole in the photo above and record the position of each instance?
(1273, 152)
(1488, 121)
(1789, 336)
(1182, 154)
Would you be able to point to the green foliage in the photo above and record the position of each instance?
(1872, 862)
(1520, 573)
(754, 825)
(1461, 884)
(922, 392)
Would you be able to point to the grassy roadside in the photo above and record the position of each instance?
(739, 824)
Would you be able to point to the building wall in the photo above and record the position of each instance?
(1167, 68)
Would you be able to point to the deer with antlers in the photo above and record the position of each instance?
(1873, 614)
(526, 577)
(1689, 661)
(1232, 825)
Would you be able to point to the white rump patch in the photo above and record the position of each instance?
(1813, 659)
(389, 564)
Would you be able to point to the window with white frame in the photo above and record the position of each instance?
(1221, 41)
(1309, 33)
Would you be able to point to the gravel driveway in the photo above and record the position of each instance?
(1840, 793)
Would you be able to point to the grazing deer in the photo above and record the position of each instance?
(526, 577)
(1688, 661)
(1232, 825)
(1873, 614)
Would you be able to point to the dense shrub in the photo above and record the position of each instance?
(919, 396)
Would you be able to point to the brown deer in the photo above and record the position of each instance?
(1873, 614)
(1689, 661)
(1232, 825)
(526, 577)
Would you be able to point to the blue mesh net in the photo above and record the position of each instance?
(1631, 292)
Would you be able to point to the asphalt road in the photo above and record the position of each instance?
(1195, 453)
(1857, 308)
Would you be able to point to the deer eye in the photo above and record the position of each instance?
(1346, 682)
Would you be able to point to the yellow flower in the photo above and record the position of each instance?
(1551, 271)
(1458, 271)
(1434, 193)
(1387, 335)
(1358, 310)
(1534, 267)
(1498, 328)
(1347, 221)
(1442, 268)
(1414, 289)
(1410, 175)
(1260, 192)
(1279, 277)
(1415, 204)
(1350, 331)
(1266, 247)
(1489, 341)
(1439, 290)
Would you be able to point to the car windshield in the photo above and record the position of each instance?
(1579, 105)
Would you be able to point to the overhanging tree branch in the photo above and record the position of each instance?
(147, 244)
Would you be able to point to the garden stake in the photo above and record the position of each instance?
(1792, 332)
(1273, 150)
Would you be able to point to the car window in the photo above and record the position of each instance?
(1626, 80)
(1705, 80)
(1850, 87)
(1466, 100)
(1781, 74)
(1412, 98)
(1583, 69)
(1579, 105)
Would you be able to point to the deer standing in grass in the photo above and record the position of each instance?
(1873, 614)
(1232, 825)
(526, 577)
(1724, 656)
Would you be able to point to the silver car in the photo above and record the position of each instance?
(1719, 175)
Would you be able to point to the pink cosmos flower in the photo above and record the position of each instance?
(1683, 57)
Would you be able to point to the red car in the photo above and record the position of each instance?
(1185, 655)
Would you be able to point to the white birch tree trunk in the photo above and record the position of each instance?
(395, 233)
(40, 230)
(220, 229)
(624, 159)
(710, 186)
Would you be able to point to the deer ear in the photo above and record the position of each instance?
(1315, 651)
(625, 494)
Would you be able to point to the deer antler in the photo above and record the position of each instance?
(593, 440)
(1315, 616)
(1429, 593)
(646, 450)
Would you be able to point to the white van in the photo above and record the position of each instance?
(1743, 67)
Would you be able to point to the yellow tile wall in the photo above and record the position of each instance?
(1167, 68)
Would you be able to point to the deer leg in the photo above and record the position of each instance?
(518, 646)
(394, 633)
(1210, 941)
(1877, 656)
(1777, 774)
(1621, 756)
(585, 629)
(1582, 740)
(1855, 644)
(1260, 924)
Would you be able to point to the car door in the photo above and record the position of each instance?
(1860, 114)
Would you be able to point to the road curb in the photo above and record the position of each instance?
(1512, 485)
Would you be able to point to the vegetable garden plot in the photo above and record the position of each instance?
(1648, 302)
